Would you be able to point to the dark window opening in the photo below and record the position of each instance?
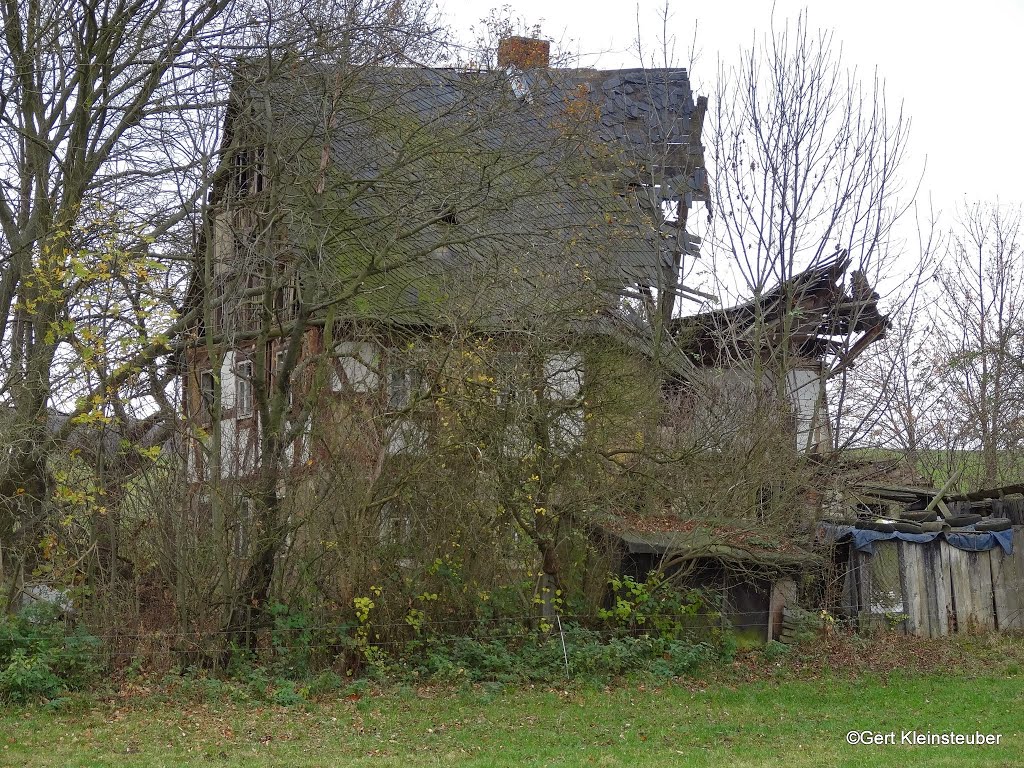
(207, 390)
(247, 170)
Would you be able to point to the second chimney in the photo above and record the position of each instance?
(523, 53)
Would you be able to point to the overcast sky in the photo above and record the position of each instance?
(954, 66)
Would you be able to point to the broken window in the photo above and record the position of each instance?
(247, 171)
(286, 300)
(250, 304)
(448, 216)
(207, 390)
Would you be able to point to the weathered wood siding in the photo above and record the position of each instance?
(923, 577)
(1008, 584)
(938, 588)
(970, 576)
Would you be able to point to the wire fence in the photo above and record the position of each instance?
(593, 621)
(341, 636)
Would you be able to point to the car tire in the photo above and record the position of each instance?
(918, 517)
(905, 526)
(961, 521)
(994, 525)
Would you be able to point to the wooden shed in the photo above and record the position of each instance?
(751, 579)
(934, 588)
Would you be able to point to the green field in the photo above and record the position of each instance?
(755, 713)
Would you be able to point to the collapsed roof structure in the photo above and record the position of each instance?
(817, 314)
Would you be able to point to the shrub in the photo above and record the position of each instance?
(40, 658)
(540, 657)
(27, 677)
(655, 606)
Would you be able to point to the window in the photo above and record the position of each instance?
(207, 390)
(564, 376)
(395, 526)
(248, 305)
(247, 166)
(243, 390)
(242, 172)
(567, 430)
(286, 300)
(403, 385)
(399, 391)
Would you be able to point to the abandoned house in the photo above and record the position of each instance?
(359, 210)
(390, 249)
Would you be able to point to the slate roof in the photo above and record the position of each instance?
(486, 196)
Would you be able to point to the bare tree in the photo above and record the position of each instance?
(807, 163)
(978, 324)
(807, 159)
(94, 97)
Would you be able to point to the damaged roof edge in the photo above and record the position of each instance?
(683, 546)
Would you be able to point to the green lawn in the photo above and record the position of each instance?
(763, 722)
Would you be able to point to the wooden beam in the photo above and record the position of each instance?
(935, 502)
(992, 493)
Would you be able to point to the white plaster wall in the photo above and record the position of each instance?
(359, 362)
(808, 407)
(564, 375)
(227, 380)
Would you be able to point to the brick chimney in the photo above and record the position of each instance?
(523, 53)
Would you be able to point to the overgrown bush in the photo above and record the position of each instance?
(41, 658)
(655, 606)
(542, 657)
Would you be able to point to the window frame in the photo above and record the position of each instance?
(243, 389)
(207, 394)
(279, 358)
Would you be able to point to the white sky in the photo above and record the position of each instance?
(953, 65)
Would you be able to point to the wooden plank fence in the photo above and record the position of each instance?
(1008, 584)
(926, 595)
(938, 588)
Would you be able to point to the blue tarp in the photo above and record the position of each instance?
(864, 541)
